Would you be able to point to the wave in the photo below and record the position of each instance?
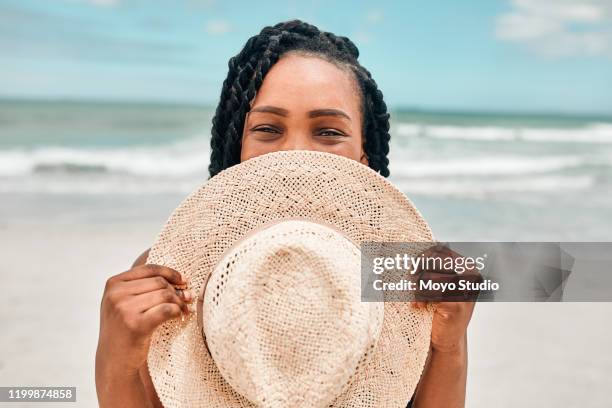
(484, 166)
(99, 186)
(180, 167)
(468, 188)
(480, 189)
(191, 159)
(191, 156)
(179, 159)
(592, 133)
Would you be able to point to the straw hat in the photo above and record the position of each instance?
(271, 246)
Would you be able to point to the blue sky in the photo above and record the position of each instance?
(510, 55)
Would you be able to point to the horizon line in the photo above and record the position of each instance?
(396, 108)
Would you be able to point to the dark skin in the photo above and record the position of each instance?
(319, 112)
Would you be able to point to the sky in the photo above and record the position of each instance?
(493, 55)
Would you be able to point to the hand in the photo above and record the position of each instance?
(451, 318)
(133, 305)
(449, 327)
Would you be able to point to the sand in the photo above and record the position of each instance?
(528, 355)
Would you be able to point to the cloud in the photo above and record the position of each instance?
(374, 16)
(218, 27)
(365, 34)
(559, 28)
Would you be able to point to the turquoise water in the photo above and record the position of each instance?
(473, 175)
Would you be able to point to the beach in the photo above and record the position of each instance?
(75, 210)
(540, 355)
(54, 276)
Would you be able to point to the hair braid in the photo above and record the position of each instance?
(247, 70)
(378, 125)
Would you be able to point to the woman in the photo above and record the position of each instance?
(291, 87)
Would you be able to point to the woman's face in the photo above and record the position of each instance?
(305, 103)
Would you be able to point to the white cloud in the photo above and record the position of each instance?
(365, 34)
(218, 27)
(559, 28)
(374, 16)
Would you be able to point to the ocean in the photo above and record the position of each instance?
(474, 176)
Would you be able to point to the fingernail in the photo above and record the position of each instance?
(188, 295)
(183, 277)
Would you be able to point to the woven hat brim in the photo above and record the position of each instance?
(319, 186)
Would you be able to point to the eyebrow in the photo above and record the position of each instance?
(328, 112)
(271, 109)
(311, 114)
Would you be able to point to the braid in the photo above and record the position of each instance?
(377, 124)
(247, 70)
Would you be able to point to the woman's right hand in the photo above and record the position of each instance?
(134, 303)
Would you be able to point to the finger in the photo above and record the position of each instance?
(461, 311)
(140, 286)
(159, 314)
(442, 250)
(185, 294)
(443, 287)
(473, 274)
(439, 258)
(145, 285)
(430, 286)
(436, 262)
(149, 271)
(148, 300)
(418, 305)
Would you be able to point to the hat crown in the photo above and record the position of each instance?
(283, 317)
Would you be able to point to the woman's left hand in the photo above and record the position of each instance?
(443, 383)
(449, 326)
(451, 317)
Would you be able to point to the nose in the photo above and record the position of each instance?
(298, 141)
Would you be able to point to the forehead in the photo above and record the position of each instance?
(299, 82)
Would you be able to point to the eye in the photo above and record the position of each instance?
(265, 129)
(330, 132)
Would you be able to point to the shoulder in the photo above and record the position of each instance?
(142, 259)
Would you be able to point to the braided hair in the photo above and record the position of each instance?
(249, 67)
